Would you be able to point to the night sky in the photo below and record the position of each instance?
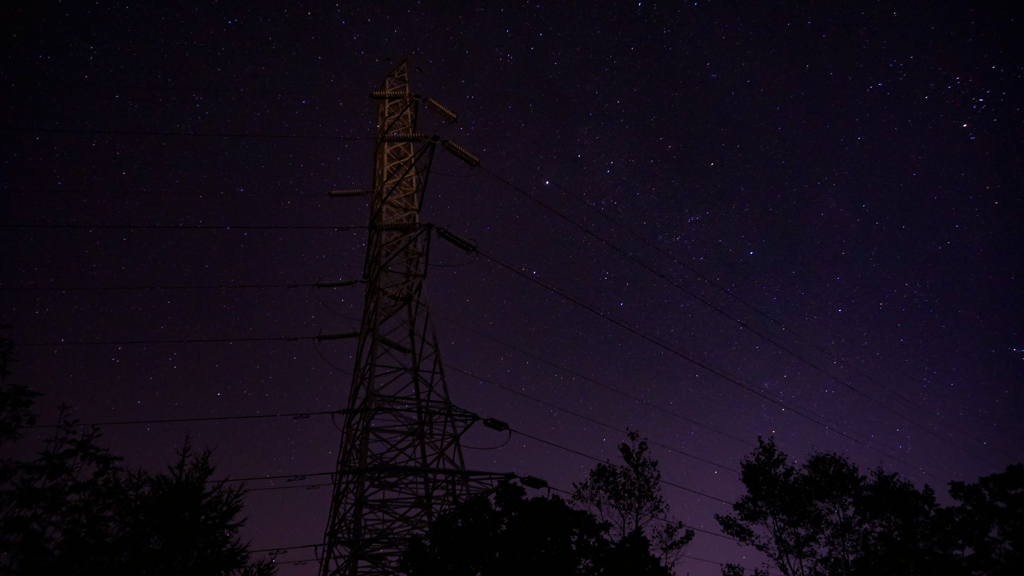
(799, 222)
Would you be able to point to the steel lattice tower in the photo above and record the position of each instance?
(400, 462)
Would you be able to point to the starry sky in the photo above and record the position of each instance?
(706, 221)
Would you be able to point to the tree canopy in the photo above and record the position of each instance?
(75, 509)
(506, 534)
(826, 518)
(628, 497)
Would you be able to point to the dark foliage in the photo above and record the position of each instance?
(180, 521)
(989, 521)
(59, 510)
(15, 400)
(825, 518)
(75, 510)
(628, 497)
(512, 535)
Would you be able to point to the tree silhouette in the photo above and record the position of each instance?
(181, 521)
(60, 506)
(511, 535)
(15, 400)
(776, 514)
(989, 521)
(75, 510)
(825, 518)
(628, 497)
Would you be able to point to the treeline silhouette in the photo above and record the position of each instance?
(76, 510)
(616, 523)
(825, 518)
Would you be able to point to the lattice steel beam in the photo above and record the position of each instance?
(400, 461)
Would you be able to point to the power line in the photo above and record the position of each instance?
(587, 418)
(82, 131)
(694, 528)
(717, 309)
(772, 320)
(189, 341)
(191, 134)
(595, 382)
(596, 459)
(32, 83)
(296, 477)
(585, 378)
(169, 287)
(303, 415)
(169, 227)
(294, 487)
(562, 490)
(201, 195)
(557, 366)
(303, 562)
(689, 358)
(301, 546)
(629, 328)
(293, 415)
(556, 489)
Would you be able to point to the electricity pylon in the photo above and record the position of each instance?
(400, 461)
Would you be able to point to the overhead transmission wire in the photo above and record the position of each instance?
(293, 415)
(587, 418)
(318, 338)
(594, 382)
(548, 404)
(719, 310)
(604, 461)
(293, 487)
(82, 131)
(172, 227)
(201, 195)
(353, 227)
(281, 549)
(291, 339)
(742, 324)
(543, 402)
(551, 288)
(171, 341)
(306, 136)
(690, 358)
(445, 318)
(151, 287)
(75, 131)
(467, 373)
(297, 136)
(694, 528)
(35, 83)
(549, 487)
(772, 320)
(304, 415)
(299, 477)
